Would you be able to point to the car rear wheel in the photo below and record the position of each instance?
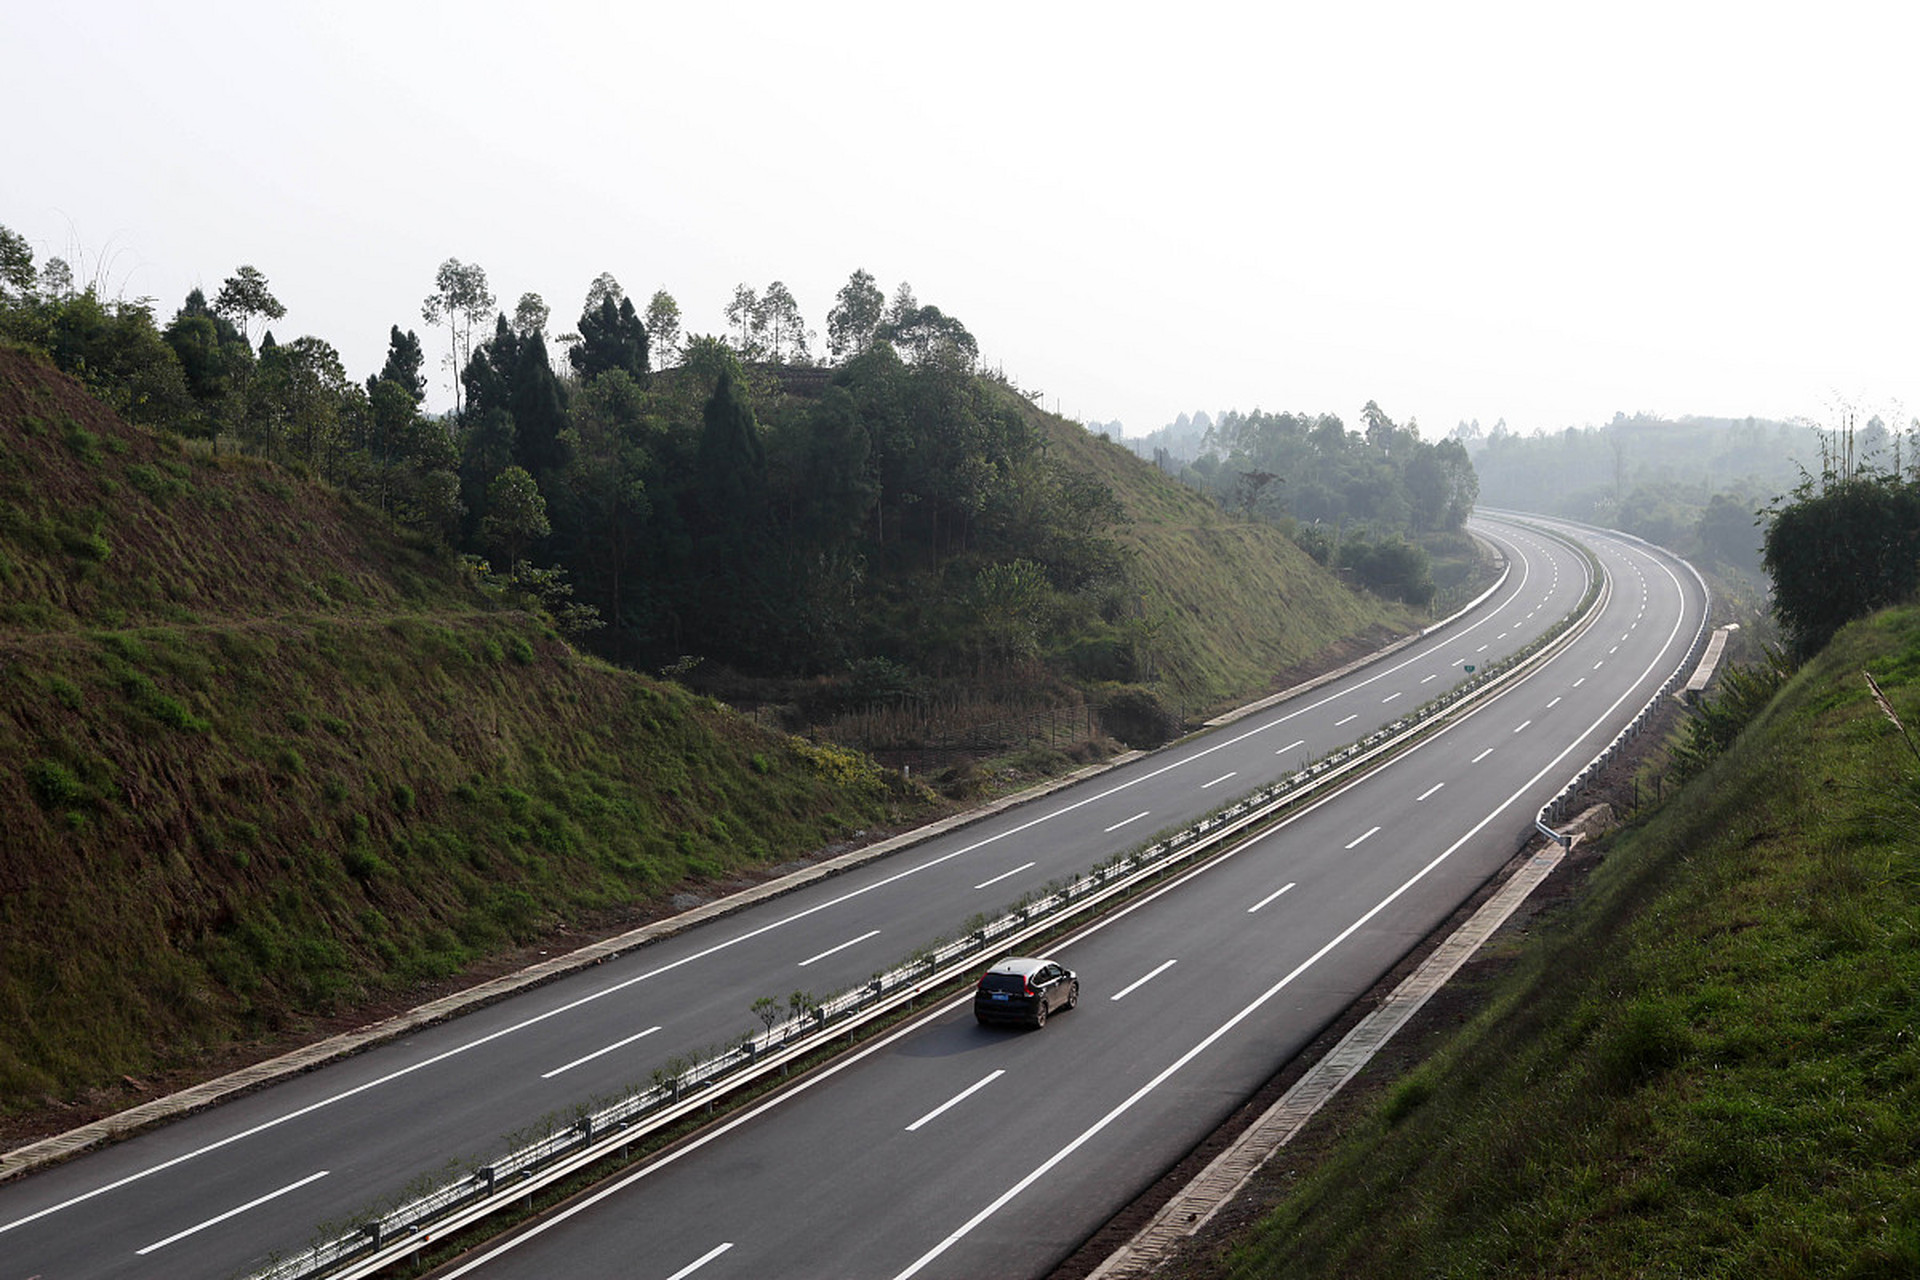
(1040, 1010)
(1073, 996)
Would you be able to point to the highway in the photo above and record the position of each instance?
(1234, 972)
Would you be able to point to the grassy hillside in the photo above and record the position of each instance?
(265, 760)
(1709, 1067)
(1236, 605)
(260, 759)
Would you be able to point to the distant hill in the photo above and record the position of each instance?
(262, 758)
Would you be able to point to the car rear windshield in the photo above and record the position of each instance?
(1004, 982)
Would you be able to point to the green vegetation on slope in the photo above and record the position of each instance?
(1222, 605)
(1710, 1067)
(260, 759)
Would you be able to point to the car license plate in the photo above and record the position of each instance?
(998, 995)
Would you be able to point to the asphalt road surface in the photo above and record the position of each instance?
(1191, 999)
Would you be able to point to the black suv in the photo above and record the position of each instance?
(1020, 989)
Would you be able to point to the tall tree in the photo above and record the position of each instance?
(611, 337)
(743, 313)
(604, 286)
(780, 320)
(663, 327)
(460, 300)
(530, 315)
(405, 360)
(244, 295)
(516, 516)
(857, 312)
(16, 266)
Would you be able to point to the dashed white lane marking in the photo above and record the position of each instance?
(618, 1044)
(1129, 989)
(219, 1218)
(700, 1261)
(957, 1099)
(1270, 897)
(1023, 866)
(850, 942)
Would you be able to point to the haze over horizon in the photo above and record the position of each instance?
(1490, 212)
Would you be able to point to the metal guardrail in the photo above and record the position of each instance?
(1558, 808)
(382, 1238)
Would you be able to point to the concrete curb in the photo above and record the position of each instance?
(1194, 1205)
(198, 1097)
(306, 1058)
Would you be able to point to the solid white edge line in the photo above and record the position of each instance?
(219, 1218)
(1137, 983)
(1131, 1101)
(1004, 874)
(957, 1099)
(727, 943)
(700, 1261)
(1270, 897)
(850, 942)
(618, 1044)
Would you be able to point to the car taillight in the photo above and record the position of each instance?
(1028, 984)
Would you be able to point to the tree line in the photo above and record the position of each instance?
(664, 496)
(1356, 500)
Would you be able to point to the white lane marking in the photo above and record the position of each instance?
(850, 942)
(1577, 683)
(1291, 746)
(1526, 570)
(1017, 870)
(1217, 781)
(1434, 676)
(1123, 822)
(1127, 990)
(1270, 897)
(1349, 720)
(1523, 724)
(1482, 756)
(957, 1099)
(1429, 791)
(618, 1044)
(1132, 1100)
(251, 1204)
(700, 1261)
(1363, 839)
(1483, 648)
(1553, 704)
(1600, 664)
(1390, 697)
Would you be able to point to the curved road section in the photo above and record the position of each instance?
(215, 1192)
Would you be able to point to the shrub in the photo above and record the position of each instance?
(1136, 717)
(54, 785)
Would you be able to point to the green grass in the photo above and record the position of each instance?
(1710, 1067)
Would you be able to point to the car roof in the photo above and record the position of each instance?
(1021, 965)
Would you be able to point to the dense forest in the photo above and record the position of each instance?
(1371, 503)
(741, 506)
(818, 531)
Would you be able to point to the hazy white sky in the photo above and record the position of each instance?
(1522, 211)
